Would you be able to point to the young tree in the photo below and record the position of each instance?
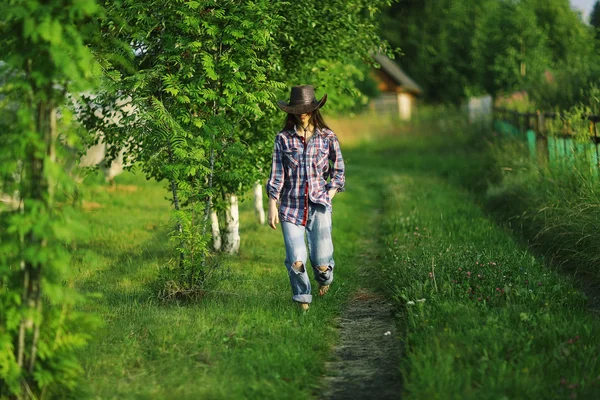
(326, 46)
(43, 46)
(200, 77)
(206, 77)
(512, 51)
(595, 17)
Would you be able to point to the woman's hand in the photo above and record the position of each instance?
(332, 193)
(273, 216)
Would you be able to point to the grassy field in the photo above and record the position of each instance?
(483, 316)
(554, 206)
(244, 339)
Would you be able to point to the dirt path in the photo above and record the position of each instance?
(366, 359)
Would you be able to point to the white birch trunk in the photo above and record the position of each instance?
(216, 232)
(258, 203)
(115, 168)
(14, 201)
(93, 155)
(232, 230)
(10, 202)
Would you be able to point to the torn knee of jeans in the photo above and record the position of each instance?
(323, 271)
(298, 266)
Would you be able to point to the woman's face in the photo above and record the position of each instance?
(304, 118)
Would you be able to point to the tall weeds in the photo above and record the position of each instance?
(557, 208)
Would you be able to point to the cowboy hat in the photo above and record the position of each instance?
(302, 101)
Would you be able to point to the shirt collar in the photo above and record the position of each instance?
(318, 131)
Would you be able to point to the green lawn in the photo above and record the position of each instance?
(244, 339)
(483, 317)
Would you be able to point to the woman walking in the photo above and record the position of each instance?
(306, 173)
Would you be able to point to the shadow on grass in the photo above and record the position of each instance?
(126, 276)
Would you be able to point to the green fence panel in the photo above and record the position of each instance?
(592, 156)
(570, 151)
(531, 141)
(516, 132)
(552, 151)
(581, 152)
(499, 126)
(560, 150)
(504, 127)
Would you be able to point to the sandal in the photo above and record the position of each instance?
(323, 290)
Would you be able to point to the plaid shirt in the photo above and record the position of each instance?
(300, 172)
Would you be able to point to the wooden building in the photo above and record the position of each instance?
(398, 90)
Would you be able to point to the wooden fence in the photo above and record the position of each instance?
(551, 138)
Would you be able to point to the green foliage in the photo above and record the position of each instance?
(437, 42)
(323, 43)
(43, 46)
(595, 17)
(573, 121)
(518, 101)
(457, 49)
(201, 79)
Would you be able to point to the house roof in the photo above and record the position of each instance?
(397, 74)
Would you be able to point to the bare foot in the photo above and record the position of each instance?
(303, 306)
(323, 290)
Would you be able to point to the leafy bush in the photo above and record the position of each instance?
(44, 55)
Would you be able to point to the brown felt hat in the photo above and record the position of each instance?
(302, 101)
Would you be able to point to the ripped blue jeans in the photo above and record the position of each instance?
(320, 251)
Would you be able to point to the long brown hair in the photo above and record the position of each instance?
(316, 119)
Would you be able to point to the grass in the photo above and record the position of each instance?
(554, 207)
(244, 339)
(484, 317)
(495, 321)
